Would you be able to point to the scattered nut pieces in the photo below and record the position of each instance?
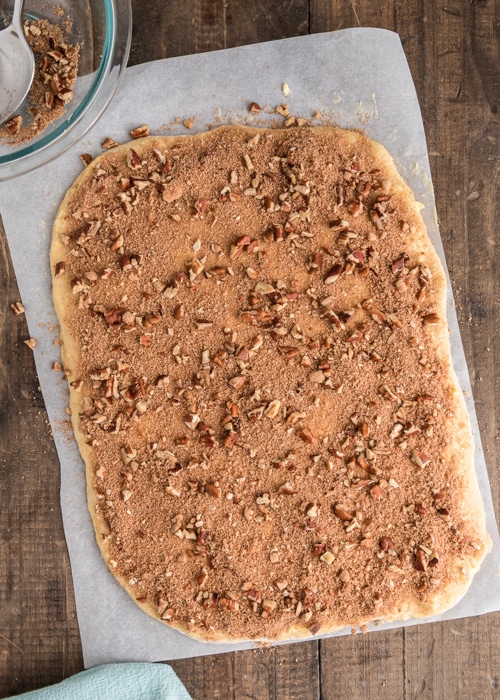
(172, 492)
(109, 143)
(86, 159)
(272, 409)
(307, 436)
(140, 132)
(420, 459)
(238, 382)
(343, 513)
(430, 319)
(328, 558)
(283, 110)
(255, 378)
(14, 125)
(213, 490)
(269, 605)
(17, 308)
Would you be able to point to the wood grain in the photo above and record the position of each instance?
(176, 28)
(289, 671)
(39, 639)
(374, 662)
(453, 52)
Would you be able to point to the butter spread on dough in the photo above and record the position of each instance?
(253, 329)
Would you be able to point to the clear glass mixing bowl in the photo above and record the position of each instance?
(103, 29)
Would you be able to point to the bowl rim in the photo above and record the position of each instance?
(104, 84)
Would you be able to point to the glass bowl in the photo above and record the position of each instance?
(103, 30)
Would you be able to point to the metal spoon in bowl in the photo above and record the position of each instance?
(17, 64)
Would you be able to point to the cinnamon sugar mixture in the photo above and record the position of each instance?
(267, 423)
(56, 68)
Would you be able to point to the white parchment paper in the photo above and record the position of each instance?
(356, 77)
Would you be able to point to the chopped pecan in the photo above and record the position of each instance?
(213, 490)
(140, 132)
(342, 512)
(238, 382)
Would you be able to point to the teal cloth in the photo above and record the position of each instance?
(134, 681)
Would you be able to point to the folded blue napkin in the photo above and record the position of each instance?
(134, 681)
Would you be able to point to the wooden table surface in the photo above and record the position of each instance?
(453, 50)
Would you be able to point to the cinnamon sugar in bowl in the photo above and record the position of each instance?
(95, 39)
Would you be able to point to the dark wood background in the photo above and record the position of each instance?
(454, 55)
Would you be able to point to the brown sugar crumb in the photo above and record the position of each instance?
(265, 423)
(56, 68)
